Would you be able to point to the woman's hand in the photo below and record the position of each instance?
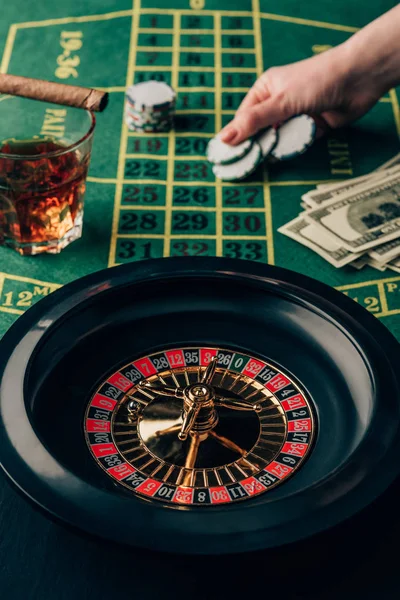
(331, 85)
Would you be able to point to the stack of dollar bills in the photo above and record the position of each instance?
(355, 222)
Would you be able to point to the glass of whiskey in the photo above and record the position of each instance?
(45, 153)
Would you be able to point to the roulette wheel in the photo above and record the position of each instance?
(199, 405)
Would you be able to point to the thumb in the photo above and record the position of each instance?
(248, 121)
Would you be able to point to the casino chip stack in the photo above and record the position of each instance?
(295, 136)
(150, 107)
(282, 142)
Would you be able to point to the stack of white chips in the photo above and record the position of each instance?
(150, 107)
(282, 142)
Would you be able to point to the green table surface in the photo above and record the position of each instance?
(152, 196)
(155, 195)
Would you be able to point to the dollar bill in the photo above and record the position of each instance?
(327, 191)
(363, 217)
(326, 186)
(386, 252)
(306, 201)
(314, 238)
(359, 263)
(394, 265)
(375, 264)
(393, 162)
(319, 196)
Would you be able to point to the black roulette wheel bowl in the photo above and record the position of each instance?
(55, 355)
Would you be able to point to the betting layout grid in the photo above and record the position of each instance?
(171, 203)
(17, 293)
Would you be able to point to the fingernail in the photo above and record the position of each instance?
(228, 134)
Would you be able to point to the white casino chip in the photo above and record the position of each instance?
(241, 168)
(150, 93)
(294, 137)
(220, 153)
(267, 141)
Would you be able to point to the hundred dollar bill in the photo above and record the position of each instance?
(367, 260)
(339, 184)
(386, 252)
(361, 218)
(326, 192)
(395, 268)
(317, 197)
(326, 186)
(393, 162)
(359, 263)
(394, 265)
(375, 264)
(315, 239)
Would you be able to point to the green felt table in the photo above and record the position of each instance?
(155, 195)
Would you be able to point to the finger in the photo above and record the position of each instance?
(254, 96)
(247, 122)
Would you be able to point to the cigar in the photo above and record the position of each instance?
(49, 91)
